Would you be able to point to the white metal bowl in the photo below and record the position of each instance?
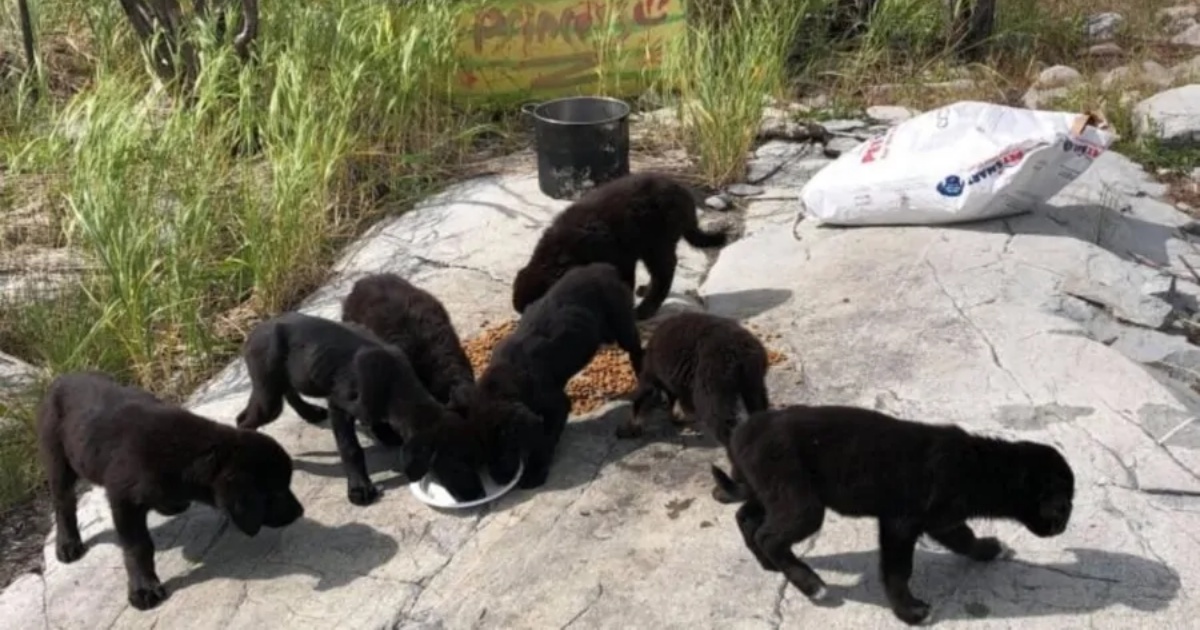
(430, 492)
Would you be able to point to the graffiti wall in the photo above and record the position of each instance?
(540, 48)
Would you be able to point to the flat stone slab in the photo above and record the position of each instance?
(963, 324)
(966, 324)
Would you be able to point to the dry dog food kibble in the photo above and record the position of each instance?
(608, 376)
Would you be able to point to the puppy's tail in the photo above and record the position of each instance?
(699, 238)
(728, 490)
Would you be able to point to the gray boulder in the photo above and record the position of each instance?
(1172, 116)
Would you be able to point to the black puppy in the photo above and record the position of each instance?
(521, 398)
(710, 364)
(414, 321)
(790, 465)
(640, 216)
(359, 375)
(152, 455)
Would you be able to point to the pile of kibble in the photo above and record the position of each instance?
(608, 376)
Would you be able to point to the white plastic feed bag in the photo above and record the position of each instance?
(962, 162)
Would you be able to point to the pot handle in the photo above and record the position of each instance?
(527, 108)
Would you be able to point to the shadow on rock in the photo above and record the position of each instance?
(745, 304)
(336, 556)
(1125, 235)
(958, 588)
(589, 445)
(381, 464)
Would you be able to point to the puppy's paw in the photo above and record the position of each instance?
(147, 597)
(914, 613)
(364, 495)
(628, 431)
(986, 549)
(69, 551)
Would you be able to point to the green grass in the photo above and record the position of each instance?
(200, 220)
(723, 71)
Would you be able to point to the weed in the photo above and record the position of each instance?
(722, 72)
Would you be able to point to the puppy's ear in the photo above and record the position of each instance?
(373, 369)
(461, 398)
(519, 434)
(417, 456)
(245, 506)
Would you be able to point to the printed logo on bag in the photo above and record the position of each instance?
(877, 147)
(1007, 160)
(1079, 147)
(952, 186)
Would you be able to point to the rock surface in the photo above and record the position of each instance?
(1058, 76)
(1189, 36)
(1172, 116)
(890, 114)
(1103, 26)
(1147, 73)
(965, 324)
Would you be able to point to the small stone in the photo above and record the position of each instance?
(1147, 73)
(1103, 26)
(1037, 99)
(1196, 174)
(1189, 37)
(717, 202)
(744, 190)
(842, 126)
(783, 129)
(1107, 49)
(890, 114)
(1058, 76)
(837, 146)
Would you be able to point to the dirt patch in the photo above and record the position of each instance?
(607, 377)
(23, 530)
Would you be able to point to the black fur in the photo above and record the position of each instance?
(636, 217)
(414, 321)
(521, 397)
(709, 364)
(151, 455)
(359, 375)
(792, 464)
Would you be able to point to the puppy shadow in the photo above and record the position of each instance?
(589, 445)
(335, 556)
(382, 463)
(1011, 588)
(742, 305)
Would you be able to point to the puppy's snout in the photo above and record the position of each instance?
(287, 509)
